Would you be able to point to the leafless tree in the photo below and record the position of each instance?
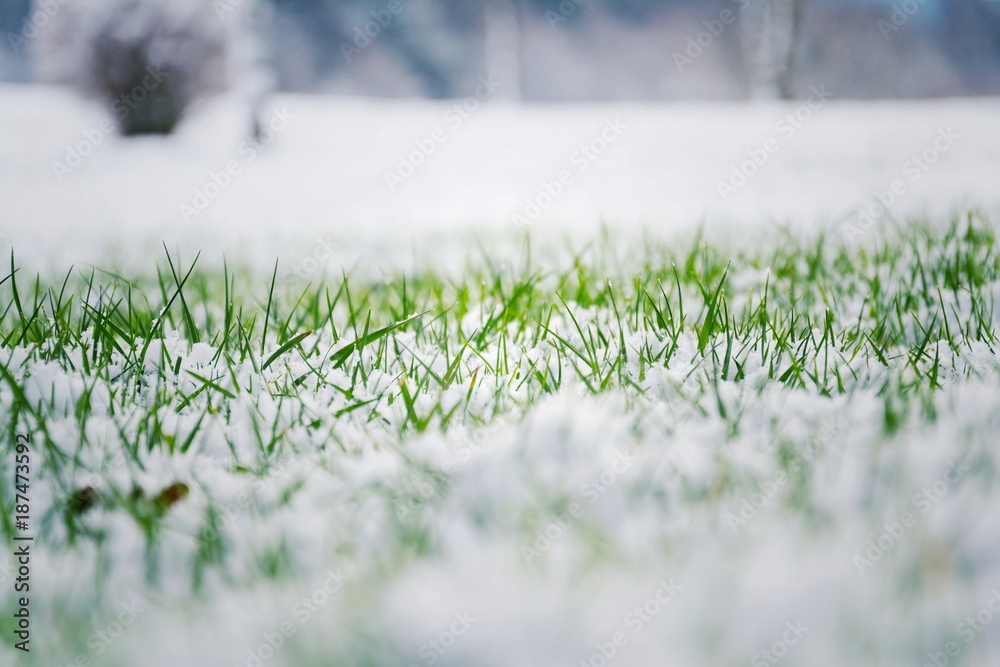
(148, 60)
(769, 32)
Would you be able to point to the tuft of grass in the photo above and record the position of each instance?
(253, 374)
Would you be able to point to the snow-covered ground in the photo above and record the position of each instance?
(681, 515)
(323, 180)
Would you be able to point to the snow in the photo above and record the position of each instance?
(559, 591)
(317, 193)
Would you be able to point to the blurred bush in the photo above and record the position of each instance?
(146, 60)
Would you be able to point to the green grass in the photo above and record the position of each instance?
(808, 313)
(115, 375)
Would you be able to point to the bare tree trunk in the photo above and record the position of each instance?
(248, 71)
(769, 35)
(502, 21)
(972, 30)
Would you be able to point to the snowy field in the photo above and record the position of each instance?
(656, 424)
(323, 178)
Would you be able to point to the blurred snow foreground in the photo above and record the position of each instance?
(148, 61)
